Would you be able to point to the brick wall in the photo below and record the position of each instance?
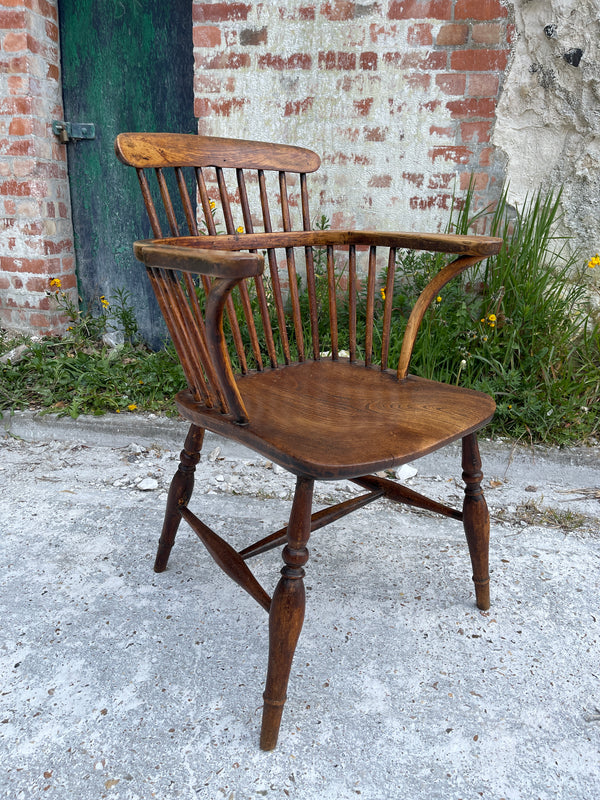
(397, 96)
(35, 227)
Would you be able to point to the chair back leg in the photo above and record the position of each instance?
(287, 612)
(180, 493)
(476, 520)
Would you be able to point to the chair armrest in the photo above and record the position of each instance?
(193, 257)
(435, 242)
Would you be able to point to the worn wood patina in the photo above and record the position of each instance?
(261, 369)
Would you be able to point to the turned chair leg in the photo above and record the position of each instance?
(180, 493)
(287, 613)
(476, 520)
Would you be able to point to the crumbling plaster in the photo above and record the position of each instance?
(548, 117)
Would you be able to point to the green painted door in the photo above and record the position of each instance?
(127, 66)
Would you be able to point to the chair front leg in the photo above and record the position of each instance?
(287, 613)
(180, 493)
(476, 520)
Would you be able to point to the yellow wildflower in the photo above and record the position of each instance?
(594, 262)
(212, 205)
(240, 229)
(55, 283)
(438, 299)
(131, 407)
(382, 293)
(492, 318)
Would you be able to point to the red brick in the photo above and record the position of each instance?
(53, 73)
(433, 201)
(51, 31)
(419, 34)
(220, 12)
(12, 19)
(206, 36)
(488, 33)
(375, 134)
(414, 177)
(295, 107)
(33, 265)
(436, 130)
(480, 107)
(456, 154)
(47, 9)
(476, 131)
(225, 61)
(440, 180)
(20, 126)
(484, 60)
(483, 84)
(253, 36)
(368, 61)
(452, 35)
(383, 34)
(332, 60)
(431, 60)
(15, 188)
(452, 84)
(14, 42)
(208, 82)
(339, 10)
(303, 13)
(420, 9)
(486, 156)
(380, 181)
(479, 180)
(418, 80)
(479, 9)
(363, 106)
(295, 61)
(204, 107)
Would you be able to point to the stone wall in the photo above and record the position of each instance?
(548, 119)
(36, 241)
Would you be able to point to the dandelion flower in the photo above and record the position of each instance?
(55, 283)
(438, 299)
(492, 317)
(240, 229)
(131, 407)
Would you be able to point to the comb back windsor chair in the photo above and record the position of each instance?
(321, 416)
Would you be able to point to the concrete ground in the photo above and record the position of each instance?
(116, 682)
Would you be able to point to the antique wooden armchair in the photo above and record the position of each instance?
(320, 415)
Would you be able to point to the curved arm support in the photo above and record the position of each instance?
(217, 346)
(424, 300)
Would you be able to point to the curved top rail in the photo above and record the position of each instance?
(156, 150)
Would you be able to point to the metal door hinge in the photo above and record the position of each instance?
(67, 131)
